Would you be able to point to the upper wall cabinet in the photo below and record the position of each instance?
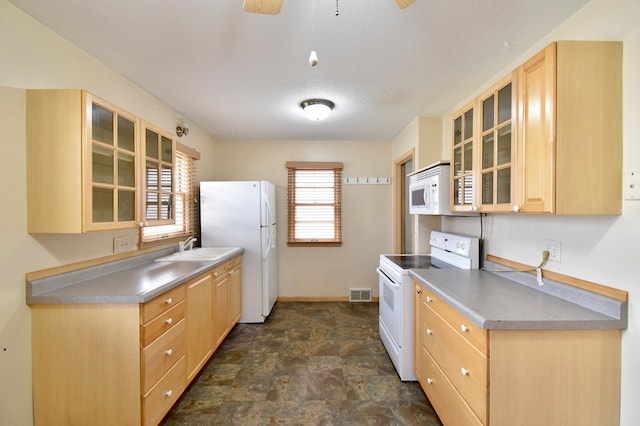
(484, 154)
(159, 151)
(82, 156)
(462, 173)
(497, 148)
(570, 129)
(545, 139)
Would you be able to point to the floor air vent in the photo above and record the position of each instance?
(359, 295)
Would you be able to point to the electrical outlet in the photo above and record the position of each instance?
(554, 248)
(122, 244)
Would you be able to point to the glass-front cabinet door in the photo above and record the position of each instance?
(111, 194)
(158, 183)
(497, 148)
(462, 179)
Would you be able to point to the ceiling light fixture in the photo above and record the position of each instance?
(317, 109)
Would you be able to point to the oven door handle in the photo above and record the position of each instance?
(388, 280)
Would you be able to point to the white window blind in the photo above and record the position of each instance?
(185, 208)
(314, 203)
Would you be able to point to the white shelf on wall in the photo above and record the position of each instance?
(367, 180)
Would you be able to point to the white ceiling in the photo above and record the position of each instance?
(242, 76)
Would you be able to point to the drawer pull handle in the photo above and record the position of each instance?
(169, 301)
(429, 380)
(169, 321)
(169, 352)
(169, 393)
(429, 331)
(464, 371)
(464, 328)
(419, 291)
(429, 299)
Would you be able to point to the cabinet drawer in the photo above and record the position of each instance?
(464, 365)
(450, 406)
(163, 353)
(219, 271)
(157, 402)
(460, 323)
(233, 262)
(162, 323)
(156, 306)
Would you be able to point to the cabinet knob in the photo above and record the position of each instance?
(429, 380)
(429, 331)
(464, 371)
(429, 299)
(516, 208)
(169, 321)
(169, 352)
(419, 291)
(464, 328)
(169, 393)
(215, 274)
(474, 208)
(169, 301)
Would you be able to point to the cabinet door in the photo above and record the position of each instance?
(199, 323)
(536, 134)
(221, 303)
(158, 177)
(235, 295)
(497, 148)
(111, 146)
(462, 172)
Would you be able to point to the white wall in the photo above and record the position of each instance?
(602, 249)
(32, 56)
(323, 272)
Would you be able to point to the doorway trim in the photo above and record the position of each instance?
(399, 204)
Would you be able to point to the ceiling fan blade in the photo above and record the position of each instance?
(268, 7)
(404, 3)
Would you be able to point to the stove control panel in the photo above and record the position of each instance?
(458, 244)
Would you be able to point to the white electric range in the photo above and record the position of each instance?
(396, 320)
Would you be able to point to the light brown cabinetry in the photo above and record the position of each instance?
(462, 172)
(200, 340)
(159, 149)
(570, 129)
(502, 377)
(127, 364)
(227, 297)
(82, 157)
(163, 363)
(545, 139)
(454, 349)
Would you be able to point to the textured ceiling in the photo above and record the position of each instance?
(242, 76)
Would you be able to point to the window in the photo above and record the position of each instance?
(314, 194)
(185, 208)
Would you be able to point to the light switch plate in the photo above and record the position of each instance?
(632, 185)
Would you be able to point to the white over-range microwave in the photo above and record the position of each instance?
(429, 190)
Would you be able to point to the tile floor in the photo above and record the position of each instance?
(308, 364)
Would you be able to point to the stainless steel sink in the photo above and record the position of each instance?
(204, 254)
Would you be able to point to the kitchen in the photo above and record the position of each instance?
(595, 248)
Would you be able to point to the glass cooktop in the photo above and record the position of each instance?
(417, 261)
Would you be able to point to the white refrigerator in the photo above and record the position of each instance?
(243, 214)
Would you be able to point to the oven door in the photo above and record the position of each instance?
(390, 305)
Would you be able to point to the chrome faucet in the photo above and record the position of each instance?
(187, 244)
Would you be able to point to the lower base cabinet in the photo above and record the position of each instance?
(514, 377)
(127, 364)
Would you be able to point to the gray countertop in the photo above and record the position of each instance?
(495, 302)
(133, 280)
